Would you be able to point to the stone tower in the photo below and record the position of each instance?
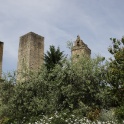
(1, 57)
(80, 48)
(30, 53)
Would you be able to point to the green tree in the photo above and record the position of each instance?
(7, 85)
(77, 84)
(74, 88)
(53, 57)
(115, 75)
(23, 102)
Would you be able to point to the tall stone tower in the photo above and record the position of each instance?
(80, 48)
(30, 53)
(1, 57)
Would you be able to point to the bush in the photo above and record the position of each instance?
(93, 115)
(68, 118)
(119, 112)
(6, 120)
(73, 87)
(107, 115)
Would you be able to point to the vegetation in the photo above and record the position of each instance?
(115, 76)
(86, 91)
(53, 57)
(115, 72)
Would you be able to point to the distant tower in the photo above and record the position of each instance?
(1, 57)
(80, 48)
(30, 53)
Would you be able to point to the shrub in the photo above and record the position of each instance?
(107, 115)
(67, 118)
(119, 112)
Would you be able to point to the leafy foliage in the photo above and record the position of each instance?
(115, 74)
(107, 115)
(53, 57)
(82, 88)
(120, 113)
(77, 83)
(70, 87)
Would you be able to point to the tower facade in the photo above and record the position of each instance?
(30, 53)
(80, 48)
(1, 57)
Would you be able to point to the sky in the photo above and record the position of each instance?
(59, 21)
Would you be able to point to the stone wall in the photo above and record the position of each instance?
(1, 57)
(30, 53)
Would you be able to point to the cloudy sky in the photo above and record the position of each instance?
(59, 21)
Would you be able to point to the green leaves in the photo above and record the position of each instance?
(62, 85)
(115, 69)
(53, 57)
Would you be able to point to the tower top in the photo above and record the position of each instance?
(79, 42)
(31, 35)
(80, 48)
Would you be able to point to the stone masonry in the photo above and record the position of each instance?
(80, 48)
(30, 53)
(1, 57)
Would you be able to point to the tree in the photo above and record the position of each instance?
(7, 84)
(75, 88)
(77, 84)
(24, 101)
(53, 57)
(115, 75)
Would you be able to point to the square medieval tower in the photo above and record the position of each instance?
(30, 53)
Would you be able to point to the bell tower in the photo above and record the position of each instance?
(80, 48)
